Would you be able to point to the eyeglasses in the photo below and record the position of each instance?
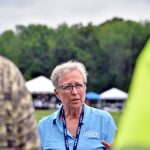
(68, 88)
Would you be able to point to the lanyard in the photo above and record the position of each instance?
(77, 133)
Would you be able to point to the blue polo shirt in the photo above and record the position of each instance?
(97, 125)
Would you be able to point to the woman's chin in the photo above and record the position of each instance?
(76, 104)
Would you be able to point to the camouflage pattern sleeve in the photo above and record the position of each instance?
(17, 121)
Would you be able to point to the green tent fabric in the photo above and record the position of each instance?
(134, 128)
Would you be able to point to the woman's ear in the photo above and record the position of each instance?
(57, 93)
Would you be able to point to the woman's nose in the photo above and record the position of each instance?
(74, 90)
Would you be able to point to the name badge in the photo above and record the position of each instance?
(90, 133)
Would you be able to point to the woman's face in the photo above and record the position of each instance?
(71, 89)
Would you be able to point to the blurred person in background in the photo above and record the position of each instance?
(17, 123)
(75, 125)
(134, 126)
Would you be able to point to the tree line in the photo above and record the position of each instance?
(108, 50)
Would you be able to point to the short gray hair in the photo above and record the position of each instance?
(66, 67)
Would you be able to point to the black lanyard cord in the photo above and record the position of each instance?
(77, 133)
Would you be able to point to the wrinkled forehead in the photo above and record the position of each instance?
(68, 71)
(70, 75)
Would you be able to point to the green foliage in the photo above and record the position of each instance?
(108, 50)
(9, 46)
(37, 46)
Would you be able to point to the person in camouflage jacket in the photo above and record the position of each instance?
(17, 121)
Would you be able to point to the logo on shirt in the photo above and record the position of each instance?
(91, 133)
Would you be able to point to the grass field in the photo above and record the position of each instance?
(41, 113)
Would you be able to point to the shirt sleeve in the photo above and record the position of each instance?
(110, 129)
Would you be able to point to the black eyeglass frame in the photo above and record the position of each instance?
(69, 87)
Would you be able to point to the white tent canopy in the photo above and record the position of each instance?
(40, 84)
(114, 94)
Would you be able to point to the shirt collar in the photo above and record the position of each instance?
(57, 115)
(86, 113)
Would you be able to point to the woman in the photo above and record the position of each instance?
(75, 125)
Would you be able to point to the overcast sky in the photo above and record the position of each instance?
(55, 12)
